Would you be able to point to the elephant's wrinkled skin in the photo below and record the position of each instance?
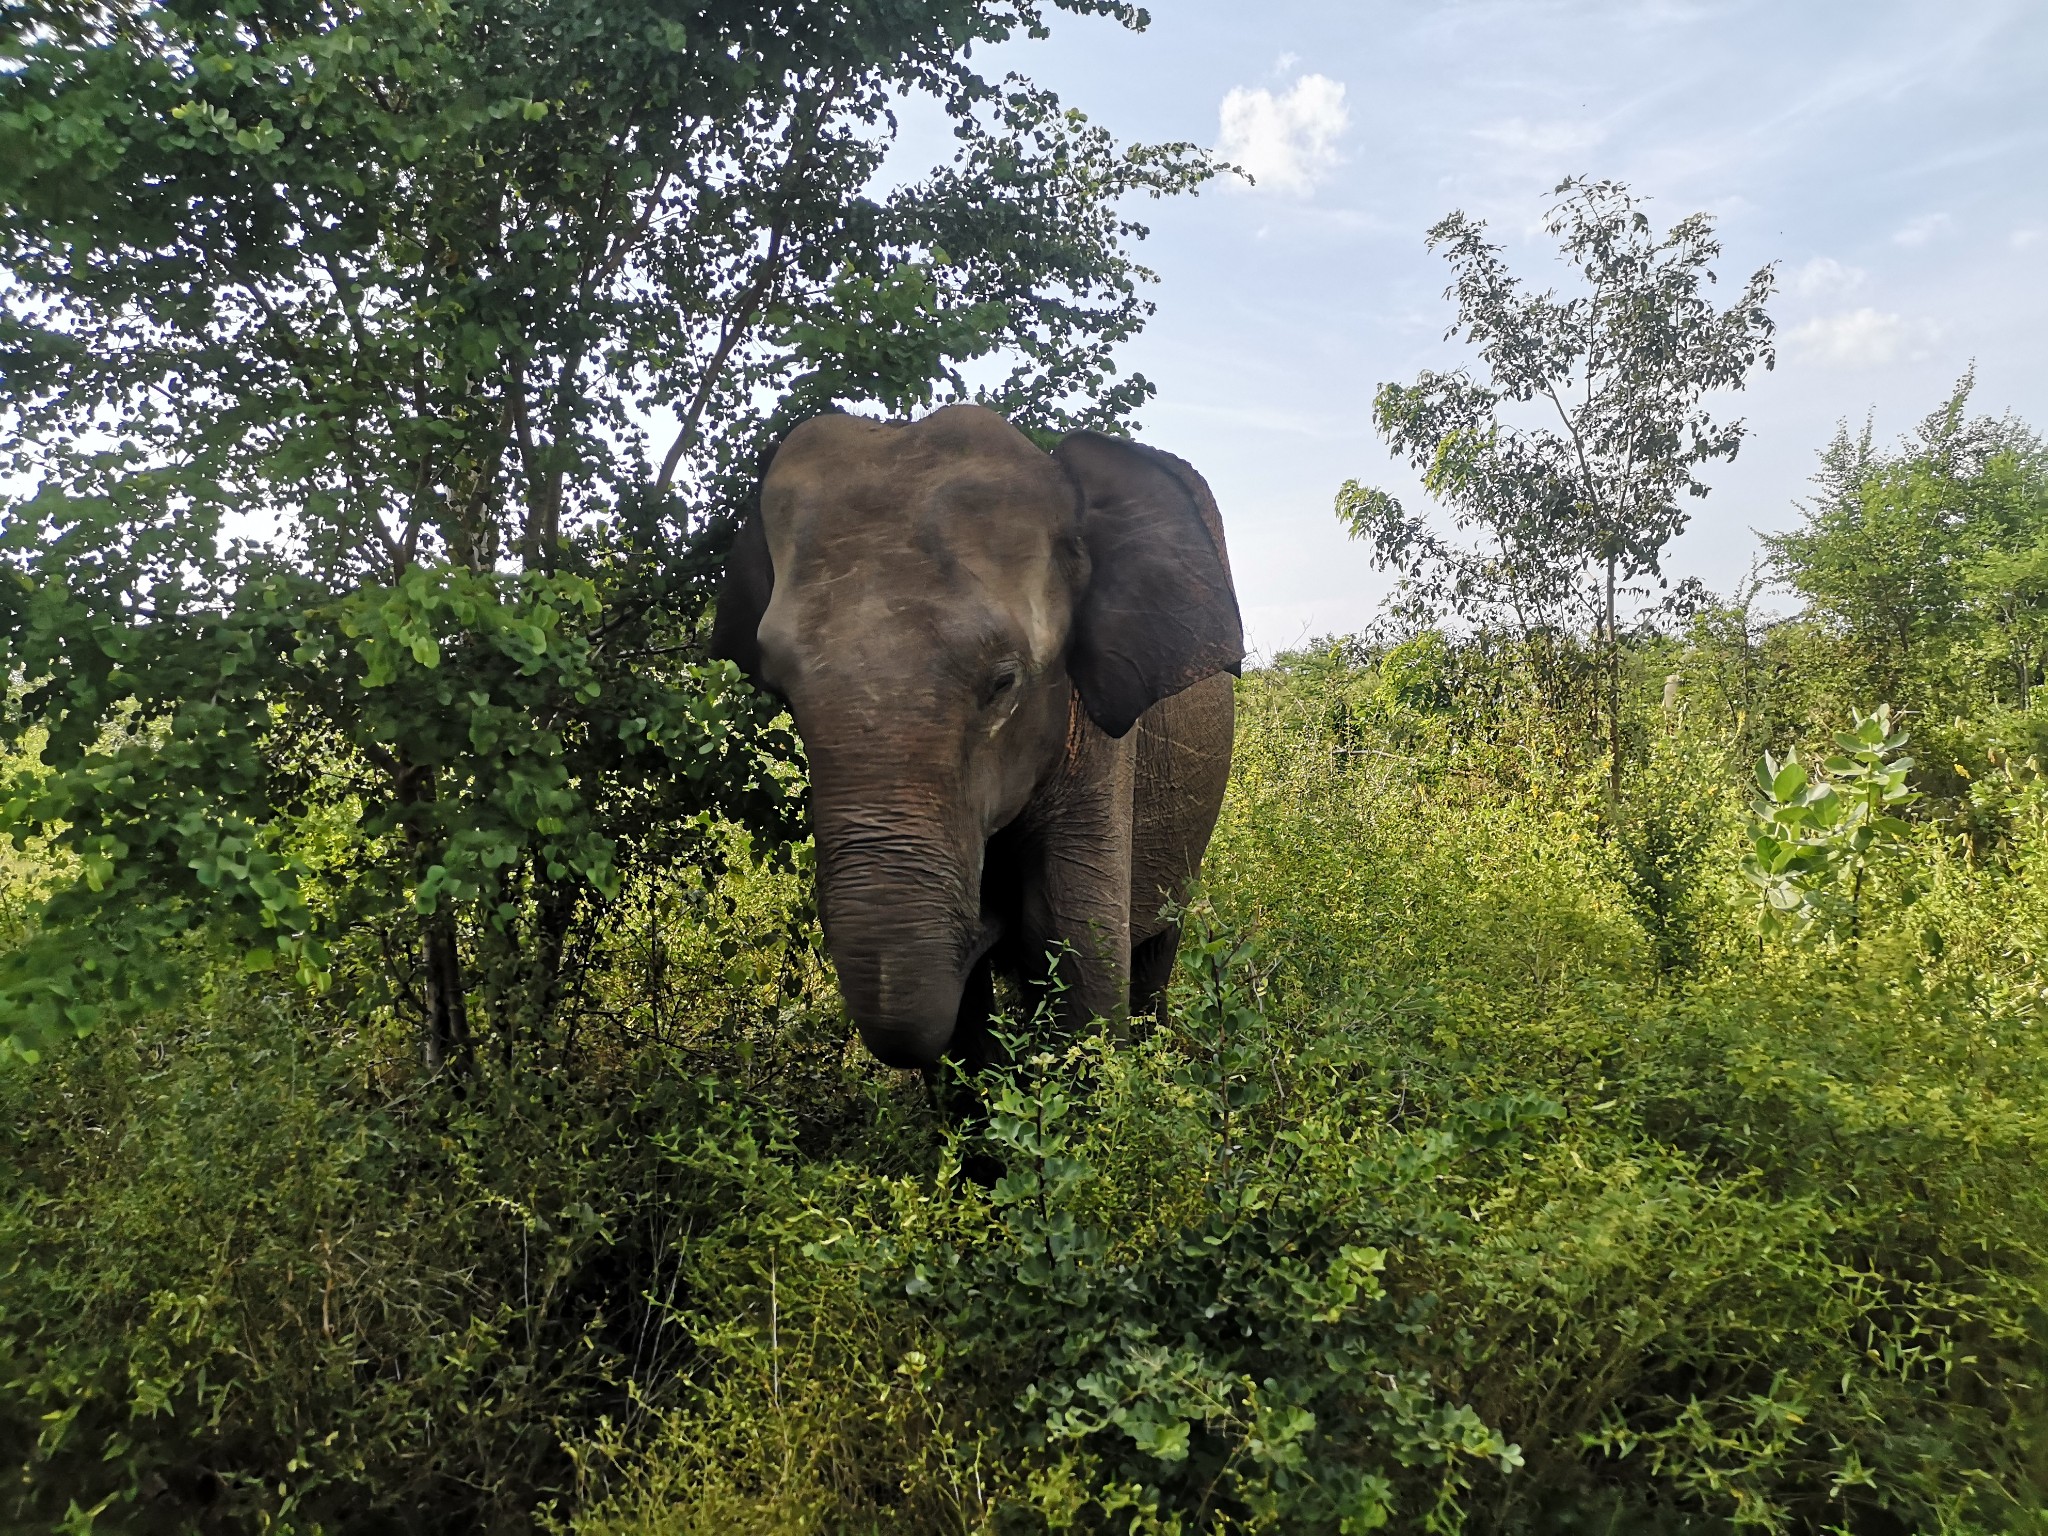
(966, 629)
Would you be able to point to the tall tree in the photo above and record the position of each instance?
(1574, 449)
(383, 376)
(1930, 559)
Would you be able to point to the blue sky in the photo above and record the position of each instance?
(1893, 158)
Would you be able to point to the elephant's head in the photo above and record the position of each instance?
(933, 601)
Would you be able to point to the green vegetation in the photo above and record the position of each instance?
(1927, 560)
(1528, 1145)
(1571, 514)
(1504, 1163)
(408, 286)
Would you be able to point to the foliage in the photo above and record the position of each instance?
(1572, 512)
(1808, 834)
(396, 293)
(1457, 1190)
(1928, 560)
(1673, 838)
(1483, 1173)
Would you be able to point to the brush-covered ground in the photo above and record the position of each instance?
(1489, 1173)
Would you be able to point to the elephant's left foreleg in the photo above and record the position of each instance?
(974, 1047)
(1075, 927)
(1151, 969)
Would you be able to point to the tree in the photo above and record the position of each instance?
(353, 601)
(1578, 496)
(1930, 558)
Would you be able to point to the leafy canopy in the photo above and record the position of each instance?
(1930, 559)
(1573, 454)
(377, 384)
(1589, 480)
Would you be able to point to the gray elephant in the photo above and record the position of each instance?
(966, 630)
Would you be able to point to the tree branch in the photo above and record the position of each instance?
(351, 469)
(616, 257)
(739, 316)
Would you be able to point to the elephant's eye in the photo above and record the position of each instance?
(998, 686)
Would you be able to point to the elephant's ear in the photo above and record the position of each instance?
(1159, 612)
(742, 599)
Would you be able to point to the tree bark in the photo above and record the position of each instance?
(448, 1045)
(1613, 670)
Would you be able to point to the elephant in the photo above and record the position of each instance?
(1011, 673)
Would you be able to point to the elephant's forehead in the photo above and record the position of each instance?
(960, 479)
(859, 551)
(950, 528)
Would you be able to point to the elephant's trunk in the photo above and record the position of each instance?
(900, 895)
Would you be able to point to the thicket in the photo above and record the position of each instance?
(1552, 1126)
(379, 386)
(1495, 1168)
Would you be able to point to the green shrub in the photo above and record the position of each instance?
(1484, 1174)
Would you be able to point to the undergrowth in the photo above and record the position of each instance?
(1487, 1172)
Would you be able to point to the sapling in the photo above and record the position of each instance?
(1810, 835)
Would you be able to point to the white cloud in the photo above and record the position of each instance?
(1288, 142)
(1826, 278)
(1922, 229)
(1860, 337)
(2020, 239)
(1285, 62)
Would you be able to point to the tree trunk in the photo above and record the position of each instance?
(447, 1007)
(447, 1022)
(1613, 670)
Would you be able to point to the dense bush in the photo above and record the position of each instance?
(1488, 1173)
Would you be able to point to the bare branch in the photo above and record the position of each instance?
(739, 316)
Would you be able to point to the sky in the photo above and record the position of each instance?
(1891, 158)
